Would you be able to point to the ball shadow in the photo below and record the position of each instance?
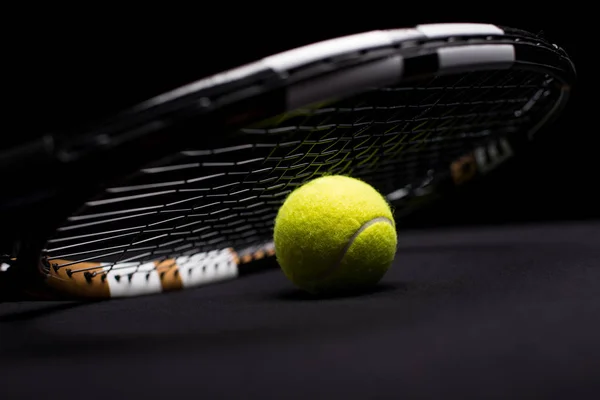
(301, 295)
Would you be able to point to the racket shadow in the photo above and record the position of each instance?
(41, 311)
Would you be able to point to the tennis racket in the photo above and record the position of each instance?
(182, 190)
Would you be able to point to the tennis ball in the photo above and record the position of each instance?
(335, 234)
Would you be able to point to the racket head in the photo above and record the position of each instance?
(195, 176)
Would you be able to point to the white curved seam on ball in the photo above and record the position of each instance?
(351, 241)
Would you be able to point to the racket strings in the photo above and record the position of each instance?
(215, 198)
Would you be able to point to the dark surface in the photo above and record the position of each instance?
(504, 312)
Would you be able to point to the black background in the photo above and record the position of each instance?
(72, 67)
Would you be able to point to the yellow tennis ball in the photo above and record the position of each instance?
(333, 234)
